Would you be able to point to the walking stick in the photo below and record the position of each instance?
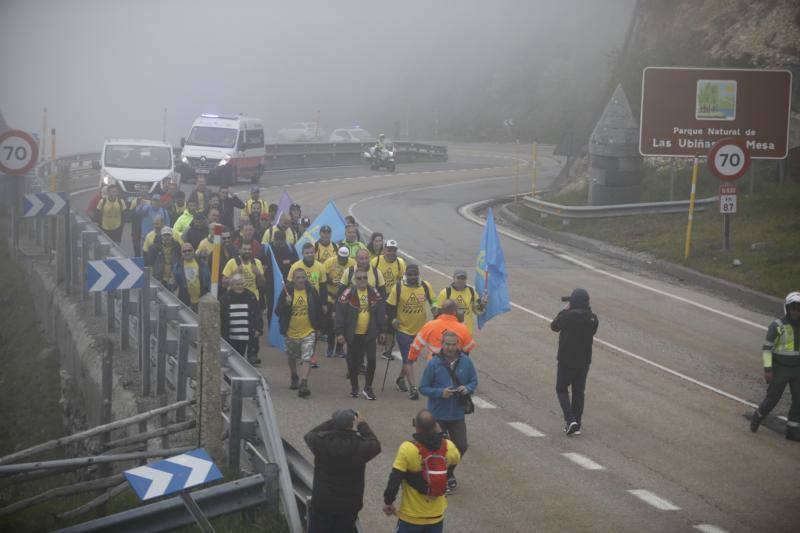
(386, 373)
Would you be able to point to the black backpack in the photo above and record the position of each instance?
(449, 291)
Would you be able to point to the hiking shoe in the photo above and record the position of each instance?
(295, 382)
(401, 384)
(340, 351)
(329, 352)
(571, 428)
(578, 431)
(304, 392)
(387, 355)
(313, 362)
(254, 361)
(354, 392)
(452, 485)
(756, 421)
(368, 394)
(413, 394)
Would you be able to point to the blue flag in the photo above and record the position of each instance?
(275, 338)
(330, 216)
(490, 273)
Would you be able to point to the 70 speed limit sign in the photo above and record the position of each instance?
(18, 153)
(729, 159)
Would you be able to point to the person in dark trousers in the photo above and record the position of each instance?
(360, 319)
(781, 355)
(241, 322)
(448, 381)
(342, 446)
(576, 326)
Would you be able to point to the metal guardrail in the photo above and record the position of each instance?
(607, 211)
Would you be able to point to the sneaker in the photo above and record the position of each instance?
(254, 361)
(756, 421)
(578, 431)
(295, 382)
(354, 393)
(452, 484)
(329, 352)
(304, 392)
(368, 394)
(571, 428)
(313, 362)
(413, 394)
(401, 384)
(387, 355)
(340, 351)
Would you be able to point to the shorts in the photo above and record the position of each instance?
(301, 349)
(404, 342)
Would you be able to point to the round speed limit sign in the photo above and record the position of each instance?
(729, 159)
(18, 152)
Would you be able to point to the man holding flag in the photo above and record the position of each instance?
(491, 279)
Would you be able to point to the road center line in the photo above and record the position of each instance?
(656, 501)
(708, 528)
(481, 403)
(582, 460)
(525, 429)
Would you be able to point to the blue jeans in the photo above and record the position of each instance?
(574, 378)
(405, 527)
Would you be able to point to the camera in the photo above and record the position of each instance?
(565, 298)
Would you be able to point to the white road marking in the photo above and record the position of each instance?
(656, 501)
(582, 460)
(708, 528)
(525, 429)
(481, 403)
(534, 313)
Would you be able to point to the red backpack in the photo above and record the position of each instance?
(434, 468)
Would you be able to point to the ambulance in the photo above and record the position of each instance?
(224, 149)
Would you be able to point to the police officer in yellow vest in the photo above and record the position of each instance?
(782, 366)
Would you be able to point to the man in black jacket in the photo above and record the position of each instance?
(576, 326)
(359, 319)
(228, 202)
(240, 319)
(300, 314)
(342, 446)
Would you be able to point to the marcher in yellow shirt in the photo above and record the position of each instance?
(315, 271)
(249, 267)
(468, 301)
(324, 249)
(112, 210)
(389, 265)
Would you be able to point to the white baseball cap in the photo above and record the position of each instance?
(391, 243)
(344, 251)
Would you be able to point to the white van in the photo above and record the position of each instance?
(224, 149)
(137, 166)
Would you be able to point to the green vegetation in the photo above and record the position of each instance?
(764, 233)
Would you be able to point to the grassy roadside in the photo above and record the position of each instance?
(764, 234)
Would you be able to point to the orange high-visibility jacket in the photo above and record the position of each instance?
(430, 337)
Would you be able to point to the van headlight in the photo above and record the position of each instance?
(184, 159)
(224, 160)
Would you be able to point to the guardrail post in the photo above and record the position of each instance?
(210, 422)
(107, 385)
(63, 247)
(161, 354)
(183, 369)
(100, 251)
(144, 332)
(86, 243)
(235, 434)
(110, 316)
(124, 319)
(76, 228)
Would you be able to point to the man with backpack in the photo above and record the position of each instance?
(468, 301)
(342, 446)
(405, 307)
(449, 381)
(421, 467)
(324, 249)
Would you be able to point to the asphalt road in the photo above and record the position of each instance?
(657, 418)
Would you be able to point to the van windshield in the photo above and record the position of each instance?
(208, 136)
(137, 156)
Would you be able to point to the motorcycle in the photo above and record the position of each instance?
(381, 158)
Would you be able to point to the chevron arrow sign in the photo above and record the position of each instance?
(115, 274)
(173, 475)
(44, 204)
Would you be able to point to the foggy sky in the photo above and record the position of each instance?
(109, 68)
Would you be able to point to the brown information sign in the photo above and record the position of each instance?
(686, 110)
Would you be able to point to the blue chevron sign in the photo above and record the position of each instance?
(173, 475)
(117, 273)
(44, 204)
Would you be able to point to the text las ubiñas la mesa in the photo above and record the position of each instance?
(694, 138)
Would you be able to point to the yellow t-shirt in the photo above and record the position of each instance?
(300, 323)
(206, 247)
(333, 272)
(417, 508)
(315, 273)
(248, 206)
(464, 300)
(269, 235)
(192, 272)
(363, 315)
(347, 277)
(411, 309)
(150, 238)
(324, 252)
(391, 271)
(248, 271)
(111, 213)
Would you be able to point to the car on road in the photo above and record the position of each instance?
(137, 166)
(301, 132)
(351, 135)
(224, 149)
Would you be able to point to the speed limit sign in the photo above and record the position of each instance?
(729, 159)
(18, 152)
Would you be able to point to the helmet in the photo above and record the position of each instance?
(792, 298)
